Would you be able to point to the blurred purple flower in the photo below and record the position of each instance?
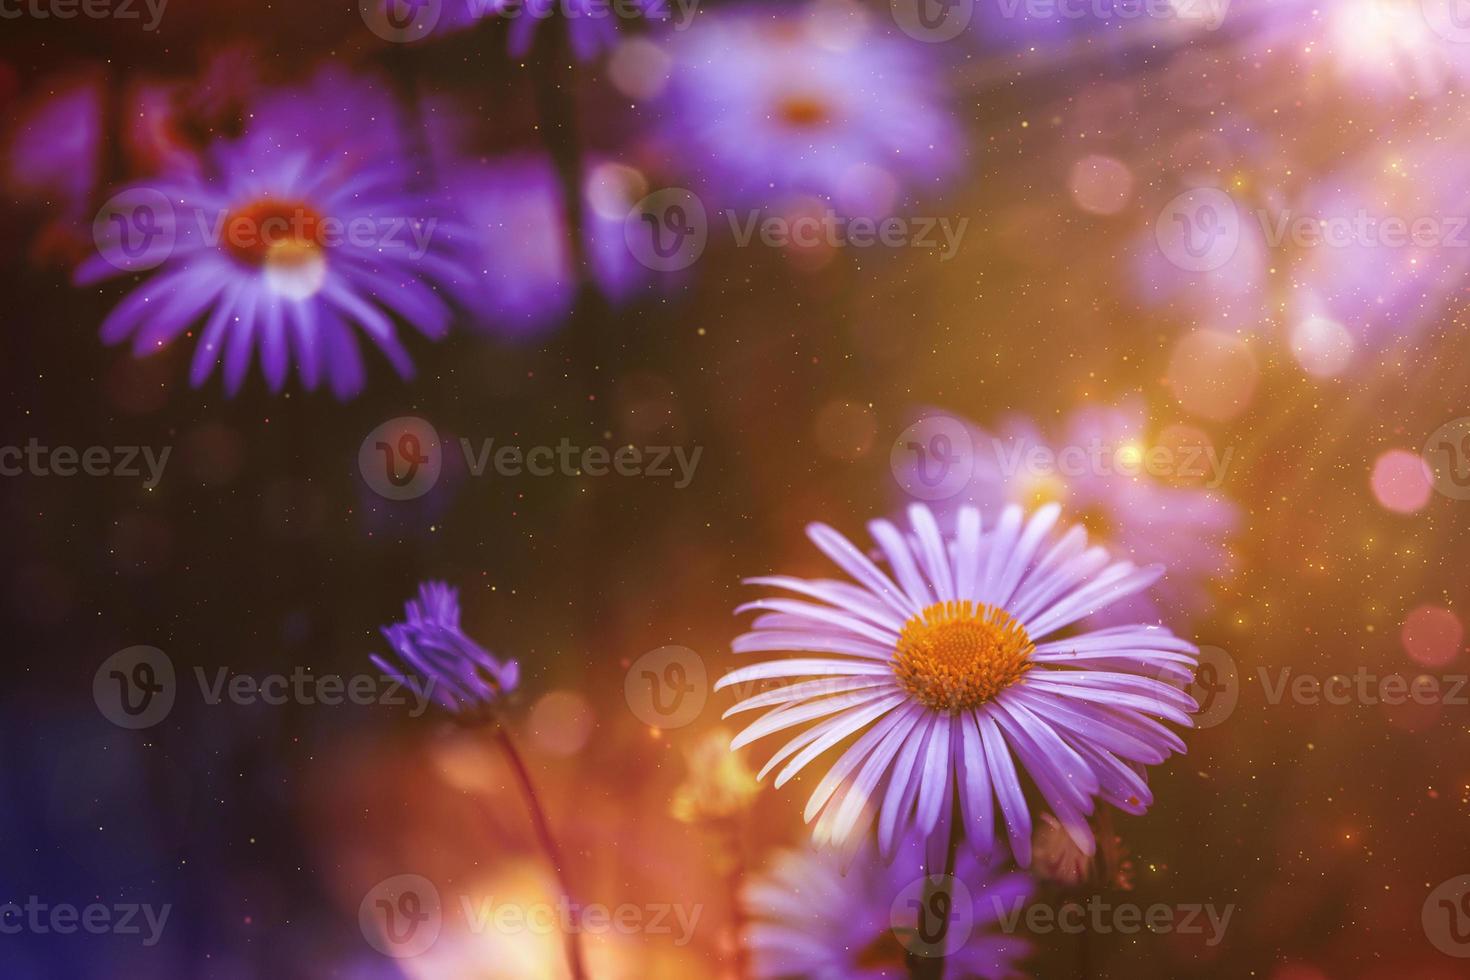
(1182, 525)
(517, 230)
(286, 241)
(764, 105)
(1394, 251)
(55, 148)
(944, 677)
(430, 645)
(809, 919)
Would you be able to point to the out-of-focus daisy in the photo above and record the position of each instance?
(958, 673)
(430, 645)
(1149, 502)
(286, 245)
(765, 105)
(809, 918)
(518, 245)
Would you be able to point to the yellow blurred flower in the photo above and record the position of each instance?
(720, 784)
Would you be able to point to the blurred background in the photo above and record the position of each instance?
(1332, 541)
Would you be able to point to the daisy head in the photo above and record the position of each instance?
(951, 673)
(811, 917)
(430, 647)
(284, 244)
(775, 105)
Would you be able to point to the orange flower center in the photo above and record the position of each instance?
(803, 111)
(956, 655)
(271, 232)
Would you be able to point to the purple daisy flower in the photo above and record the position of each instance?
(958, 674)
(1175, 519)
(811, 918)
(770, 106)
(287, 241)
(429, 643)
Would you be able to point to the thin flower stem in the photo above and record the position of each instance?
(734, 880)
(548, 844)
(932, 967)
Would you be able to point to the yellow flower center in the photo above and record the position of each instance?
(954, 656)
